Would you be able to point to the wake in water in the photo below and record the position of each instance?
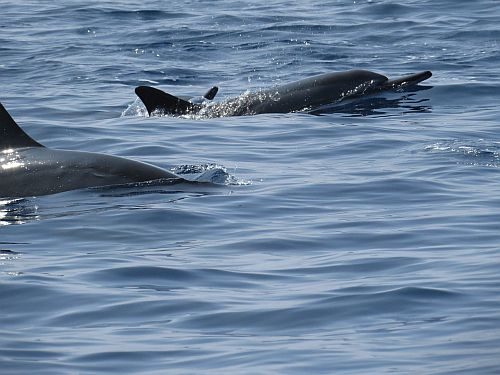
(478, 153)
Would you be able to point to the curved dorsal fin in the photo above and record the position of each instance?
(155, 99)
(11, 135)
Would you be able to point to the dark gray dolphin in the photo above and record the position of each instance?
(27, 168)
(306, 94)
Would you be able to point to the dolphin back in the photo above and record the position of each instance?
(306, 94)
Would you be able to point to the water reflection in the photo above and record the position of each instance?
(17, 211)
(6, 255)
(374, 105)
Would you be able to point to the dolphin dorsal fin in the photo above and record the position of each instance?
(210, 94)
(155, 99)
(11, 135)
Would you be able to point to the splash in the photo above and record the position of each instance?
(136, 109)
(213, 173)
(237, 106)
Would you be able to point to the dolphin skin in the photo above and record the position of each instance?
(27, 168)
(306, 94)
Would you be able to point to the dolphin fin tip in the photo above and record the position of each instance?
(12, 136)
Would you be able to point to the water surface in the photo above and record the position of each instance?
(359, 241)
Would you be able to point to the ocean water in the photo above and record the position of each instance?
(365, 240)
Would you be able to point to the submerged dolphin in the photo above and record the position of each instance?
(27, 168)
(306, 94)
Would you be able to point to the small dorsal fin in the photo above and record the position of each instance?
(210, 94)
(11, 135)
(155, 99)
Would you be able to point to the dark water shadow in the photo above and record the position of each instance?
(97, 200)
(178, 191)
(378, 106)
(196, 180)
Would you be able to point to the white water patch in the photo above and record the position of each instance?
(479, 152)
(212, 172)
(235, 106)
(149, 81)
(136, 109)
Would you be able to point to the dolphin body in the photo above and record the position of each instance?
(307, 94)
(27, 168)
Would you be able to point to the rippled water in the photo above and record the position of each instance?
(364, 240)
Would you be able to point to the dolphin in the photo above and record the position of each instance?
(27, 168)
(307, 94)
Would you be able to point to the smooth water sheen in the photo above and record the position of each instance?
(360, 241)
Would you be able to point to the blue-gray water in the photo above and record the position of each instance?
(361, 241)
